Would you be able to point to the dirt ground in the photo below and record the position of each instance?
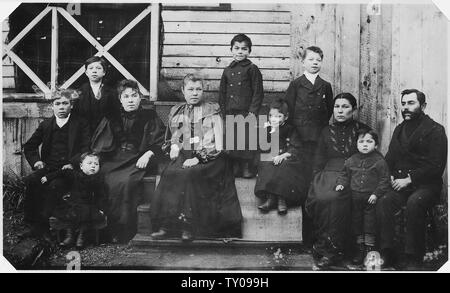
(37, 254)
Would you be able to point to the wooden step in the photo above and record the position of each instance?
(256, 226)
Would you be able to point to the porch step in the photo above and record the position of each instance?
(256, 227)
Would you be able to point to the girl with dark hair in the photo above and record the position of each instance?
(280, 180)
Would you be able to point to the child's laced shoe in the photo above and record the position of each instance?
(360, 254)
(81, 238)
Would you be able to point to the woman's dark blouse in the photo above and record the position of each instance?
(338, 140)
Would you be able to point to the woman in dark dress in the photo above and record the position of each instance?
(196, 194)
(280, 180)
(330, 209)
(127, 156)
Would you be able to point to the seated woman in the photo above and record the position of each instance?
(127, 153)
(331, 209)
(196, 194)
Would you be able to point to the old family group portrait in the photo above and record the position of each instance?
(318, 125)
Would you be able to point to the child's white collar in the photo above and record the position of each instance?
(311, 76)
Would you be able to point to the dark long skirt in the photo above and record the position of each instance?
(285, 180)
(330, 210)
(79, 214)
(124, 188)
(202, 197)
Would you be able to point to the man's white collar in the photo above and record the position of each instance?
(62, 121)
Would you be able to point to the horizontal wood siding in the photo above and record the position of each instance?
(199, 42)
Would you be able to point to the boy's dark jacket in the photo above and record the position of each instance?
(241, 88)
(423, 155)
(368, 173)
(78, 142)
(310, 106)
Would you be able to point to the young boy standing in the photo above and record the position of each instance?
(97, 100)
(310, 101)
(241, 93)
(367, 175)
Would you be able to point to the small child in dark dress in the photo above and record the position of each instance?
(80, 205)
(366, 173)
(281, 180)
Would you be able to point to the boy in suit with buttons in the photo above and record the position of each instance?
(241, 93)
(310, 100)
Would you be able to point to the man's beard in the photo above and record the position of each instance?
(413, 115)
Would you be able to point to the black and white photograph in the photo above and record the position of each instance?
(225, 137)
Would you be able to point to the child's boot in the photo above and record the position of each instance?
(359, 255)
(68, 240)
(282, 206)
(269, 204)
(81, 238)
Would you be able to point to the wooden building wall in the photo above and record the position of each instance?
(372, 56)
(8, 67)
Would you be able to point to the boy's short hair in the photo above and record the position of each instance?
(242, 38)
(89, 154)
(363, 131)
(312, 49)
(128, 83)
(280, 105)
(96, 59)
(420, 95)
(64, 93)
(191, 77)
(348, 96)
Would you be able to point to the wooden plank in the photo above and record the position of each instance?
(223, 51)
(260, 7)
(8, 70)
(12, 159)
(27, 110)
(221, 62)
(226, 16)
(210, 73)
(368, 68)
(30, 73)
(8, 83)
(325, 28)
(397, 20)
(213, 85)
(384, 85)
(223, 39)
(154, 51)
(411, 56)
(347, 49)
(434, 73)
(226, 27)
(26, 30)
(54, 50)
(302, 34)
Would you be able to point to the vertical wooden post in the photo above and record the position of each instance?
(154, 52)
(54, 50)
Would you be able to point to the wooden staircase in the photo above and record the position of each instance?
(258, 229)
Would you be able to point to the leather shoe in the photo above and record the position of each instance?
(269, 204)
(68, 240)
(324, 262)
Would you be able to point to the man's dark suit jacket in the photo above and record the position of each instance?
(78, 142)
